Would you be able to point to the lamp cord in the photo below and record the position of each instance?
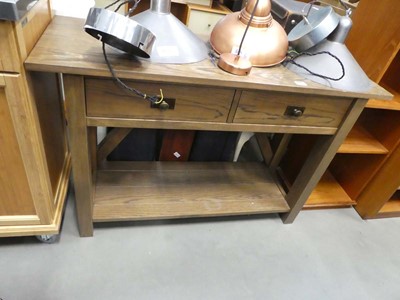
(247, 27)
(154, 99)
(123, 3)
(291, 59)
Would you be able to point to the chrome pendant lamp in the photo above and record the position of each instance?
(119, 32)
(175, 43)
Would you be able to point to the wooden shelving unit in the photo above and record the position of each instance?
(34, 158)
(366, 167)
(381, 197)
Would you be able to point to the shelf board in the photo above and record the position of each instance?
(163, 190)
(328, 194)
(360, 141)
(393, 104)
(389, 209)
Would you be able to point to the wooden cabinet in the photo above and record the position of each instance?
(366, 169)
(375, 43)
(34, 158)
(201, 20)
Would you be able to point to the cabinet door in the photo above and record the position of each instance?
(16, 201)
(201, 20)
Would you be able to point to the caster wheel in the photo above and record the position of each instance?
(47, 238)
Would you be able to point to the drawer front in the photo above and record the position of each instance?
(105, 99)
(276, 108)
(203, 22)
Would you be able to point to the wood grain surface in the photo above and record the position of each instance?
(146, 190)
(270, 107)
(66, 48)
(105, 98)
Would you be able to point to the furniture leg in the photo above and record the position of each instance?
(317, 162)
(79, 145)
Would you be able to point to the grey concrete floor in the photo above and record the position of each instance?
(326, 254)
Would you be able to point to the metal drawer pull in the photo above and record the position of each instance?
(294, 111)
(166, 103)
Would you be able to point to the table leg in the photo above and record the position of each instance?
(318, 161)
(78, 141)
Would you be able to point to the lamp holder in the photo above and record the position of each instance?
(234, 63)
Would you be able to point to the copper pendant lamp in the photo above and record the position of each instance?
(265, 43)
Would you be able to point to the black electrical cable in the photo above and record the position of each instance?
(247, 27)
(121, 4)
(153, 98)
(109, 5)
(133, 7)
(291, 60)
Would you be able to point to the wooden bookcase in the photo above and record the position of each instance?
(34, 157)
(366, 169)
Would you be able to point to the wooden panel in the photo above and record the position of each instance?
(28, 132)
(176, 145)
(381, 187)
(377, 29)
(32, 26)
(391, 79)
(394, 104)
(354, 172)
(10, 60)
(174, 190)
(384, 125)
(269, 108)
(17, 39)
(104, 98)
(328, 193)
(15, 195)
(359, 140)
(50, 111)
(389, 210)
(199, 125)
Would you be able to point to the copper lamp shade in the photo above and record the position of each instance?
(265, 43)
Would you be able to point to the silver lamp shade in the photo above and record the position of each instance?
(175, 43)
(354, 80)
(312, 34)
(119, 32)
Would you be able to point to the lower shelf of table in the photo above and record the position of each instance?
(161, 190)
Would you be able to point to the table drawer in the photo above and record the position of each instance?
(105, 99)
(277, 108)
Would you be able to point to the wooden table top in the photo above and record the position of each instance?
(66, 48)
